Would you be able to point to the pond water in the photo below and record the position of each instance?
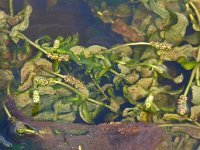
(81, 63)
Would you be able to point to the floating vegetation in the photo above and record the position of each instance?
(143, 80)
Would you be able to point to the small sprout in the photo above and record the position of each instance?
(73, 81)
(149, 101)
(36, 96)
(182, 105)
(161, 46)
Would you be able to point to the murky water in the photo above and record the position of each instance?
(150, 84)
(66, 18)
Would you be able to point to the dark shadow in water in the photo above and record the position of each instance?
(67, 18)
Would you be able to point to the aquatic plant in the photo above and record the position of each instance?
(130, 82)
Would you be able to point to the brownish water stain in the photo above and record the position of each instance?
(114, 136)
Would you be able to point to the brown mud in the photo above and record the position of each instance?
(113, 136)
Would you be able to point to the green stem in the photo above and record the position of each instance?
(11, 8)
(22, 36)
(116, 73)
(54, 73)
(124, 45)
(56, 65)
(70, 88)
(198, 67)
(6, 110)
(87, 98)
(190, 81)
(101, 104)
(98, 86)
(37, 56)
(197, 76)
(8, 89)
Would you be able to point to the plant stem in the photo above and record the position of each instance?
(101, 104)
(116, 73)
(124, 45)
(190, 81)
(56, 65)
(6, 110)
(22, 36)
(87, 98)
(8, 89)
(54, 73)
(98, 86)
(37, 56)
(11, 8)
(70, 88)
(198, 67)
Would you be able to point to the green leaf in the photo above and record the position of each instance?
(186, 64)
(84, 113)
(102, 72)
(44, 39)
(90, 63)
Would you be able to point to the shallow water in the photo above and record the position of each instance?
(68, 17)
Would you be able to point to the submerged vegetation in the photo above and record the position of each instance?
(153, 77)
